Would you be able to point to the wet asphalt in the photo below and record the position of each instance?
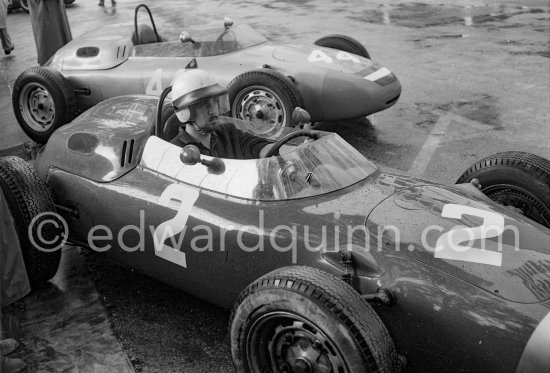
(475, 77)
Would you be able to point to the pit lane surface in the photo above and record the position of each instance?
(475, 77)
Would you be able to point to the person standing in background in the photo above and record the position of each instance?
(14, 282)
(4, 35)
(50, 27)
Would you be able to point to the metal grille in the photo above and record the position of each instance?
(84, 143)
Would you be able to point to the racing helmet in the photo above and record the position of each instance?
(195, 87)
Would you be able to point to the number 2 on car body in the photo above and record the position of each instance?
(187, 198)
(449, 246)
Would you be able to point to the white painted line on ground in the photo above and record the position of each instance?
(469, 122)
(430, 146)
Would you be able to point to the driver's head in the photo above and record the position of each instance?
(197, 98)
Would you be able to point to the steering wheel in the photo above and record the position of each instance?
(138, 39)
(315, 135)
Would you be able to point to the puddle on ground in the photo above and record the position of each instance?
(481, 108)
(420, 15)
(284, 4)
(545, 54)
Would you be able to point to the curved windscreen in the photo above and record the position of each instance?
(309, 169)
(213, 42)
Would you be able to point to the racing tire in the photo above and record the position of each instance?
(305, 311)
(24, 5)
(343, 43)
(264, 97)
(27, 198)
(42, 102)
(517, 179)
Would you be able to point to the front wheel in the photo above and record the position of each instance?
(264, 97)
(42, 102)
(343, 43)
(301, 319)
(34, 217)
(517, 179)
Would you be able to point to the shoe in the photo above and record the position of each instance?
(11, 365)
(8, 51)
(7, 346)
(101, 4)
(113, 3)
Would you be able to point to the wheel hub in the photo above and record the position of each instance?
(41, 105)
(37, 107)
(299, 346)
(283, 342)
(262, 107)
(302, 365)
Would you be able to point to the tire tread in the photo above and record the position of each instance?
(527, 161)
(25, 192)
(339, 298)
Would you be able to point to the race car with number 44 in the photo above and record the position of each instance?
(333, 79)
(329, 263)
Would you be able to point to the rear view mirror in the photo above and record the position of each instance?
(227, 22)
(191, 155)
(186, 37)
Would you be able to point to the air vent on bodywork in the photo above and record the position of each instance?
(121, 52)
(127, 155)
(83, 143)
(86, 52)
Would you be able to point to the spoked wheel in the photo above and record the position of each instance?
(42, 102)
(516, 179)
(301, 319)
(265, 98)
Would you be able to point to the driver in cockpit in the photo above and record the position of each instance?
(198, 101)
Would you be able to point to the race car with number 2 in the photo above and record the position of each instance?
(329, 263)
(333, 79)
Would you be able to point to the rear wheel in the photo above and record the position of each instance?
(42, 102)
(301, 319)
(516, 179)
(33, 212)
(264, 97)
(343, 43)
